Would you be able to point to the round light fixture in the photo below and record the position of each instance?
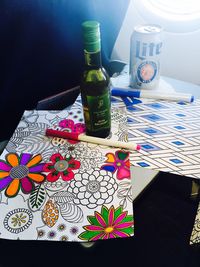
(173, 15)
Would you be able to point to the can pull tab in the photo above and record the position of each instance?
(150, 28)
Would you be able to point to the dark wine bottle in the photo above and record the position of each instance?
(95, 84)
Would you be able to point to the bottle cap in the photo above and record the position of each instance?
(91, 35)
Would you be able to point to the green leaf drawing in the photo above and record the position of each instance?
(37, 198)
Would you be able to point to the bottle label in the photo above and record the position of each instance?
(97, 114)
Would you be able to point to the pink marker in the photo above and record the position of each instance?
(90, 139)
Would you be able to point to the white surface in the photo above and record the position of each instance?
(140, 179)
(180, 54)
(123, 81)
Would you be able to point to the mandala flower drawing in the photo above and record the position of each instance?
(110, 223)
(61, 166)
(93, 188)
(90, 158)
(119, 163)
(18, 221)
(20, 172)
(77, 150)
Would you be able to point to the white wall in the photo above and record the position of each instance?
(180, 54)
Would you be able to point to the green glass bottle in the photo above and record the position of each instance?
(95, 84)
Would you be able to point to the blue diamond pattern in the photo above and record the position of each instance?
(180, 115)
(153, 117)
(177, 161)
(156, 105)
(149, 147)
(178, 143)
(150, 131)
(178, 127)
(143, 164)
(131, 121)
(133, 108)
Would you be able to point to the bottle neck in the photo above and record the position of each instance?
(93, 59)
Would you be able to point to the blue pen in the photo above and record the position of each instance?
(116, 91)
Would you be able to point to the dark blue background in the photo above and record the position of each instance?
(41, 49)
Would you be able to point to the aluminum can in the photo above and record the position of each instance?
(145, 52)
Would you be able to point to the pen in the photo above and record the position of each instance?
(90, 139)
(116, 91)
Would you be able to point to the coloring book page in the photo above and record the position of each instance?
(58, 189)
